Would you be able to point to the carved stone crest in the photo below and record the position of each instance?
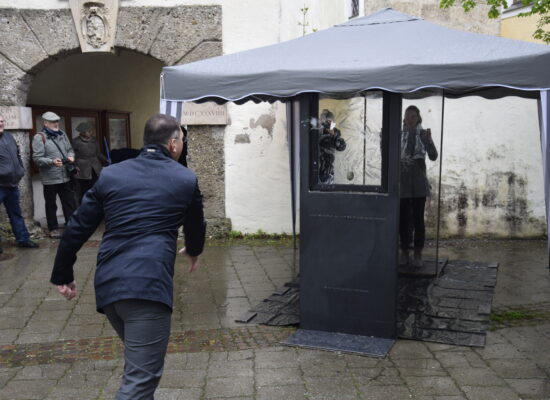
(95, 23)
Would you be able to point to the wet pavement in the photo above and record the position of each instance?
(51, 348)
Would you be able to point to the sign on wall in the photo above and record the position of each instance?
(189, 113)
(16, 117)
(208, 113)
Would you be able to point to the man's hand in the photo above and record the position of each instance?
(57, 162)
(194, 260)
(68, 291)
(71, 159)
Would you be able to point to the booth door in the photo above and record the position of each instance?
(349, 213)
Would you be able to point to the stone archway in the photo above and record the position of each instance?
(31, 40)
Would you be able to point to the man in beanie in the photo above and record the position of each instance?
(52, 150)
(11, 172)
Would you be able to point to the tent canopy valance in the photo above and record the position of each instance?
(387, 50)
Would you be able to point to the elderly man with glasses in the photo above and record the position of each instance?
(52, 150)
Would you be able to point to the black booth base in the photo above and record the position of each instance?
(453, 308)
(332, 341)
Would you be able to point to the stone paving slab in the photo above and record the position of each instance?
(53, 349)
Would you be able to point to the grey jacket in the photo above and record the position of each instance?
(44, 151)
(11, 165)
(87, 157)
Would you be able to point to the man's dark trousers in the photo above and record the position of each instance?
(68, 202)
(10, 197)
(144, 328)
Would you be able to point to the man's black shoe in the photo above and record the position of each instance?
(28, 244)
(1, 250)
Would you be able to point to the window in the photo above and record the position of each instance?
(346, 144)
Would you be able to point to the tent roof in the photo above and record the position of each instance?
(385, 50)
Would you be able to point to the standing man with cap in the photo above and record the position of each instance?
(11, 172)
(51, 151)
(143, 201)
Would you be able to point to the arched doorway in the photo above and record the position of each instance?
(45, 67)
(116, 93)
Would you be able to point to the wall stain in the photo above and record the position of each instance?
(516, 204)
(242, 138)
(266, 121)
(462, 207)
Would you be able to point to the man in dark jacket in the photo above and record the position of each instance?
(11, 172)
(143, 201)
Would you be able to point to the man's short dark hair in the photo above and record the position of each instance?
(159, 129)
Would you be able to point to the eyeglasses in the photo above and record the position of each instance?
(183, 139)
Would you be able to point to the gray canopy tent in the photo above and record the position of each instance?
(388, 51)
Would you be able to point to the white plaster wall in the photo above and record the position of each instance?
(492, 161)
(257, 176)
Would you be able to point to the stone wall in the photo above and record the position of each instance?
(33, 39)
(475, 20)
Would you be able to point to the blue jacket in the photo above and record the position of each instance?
(143, 201)
(11, 166)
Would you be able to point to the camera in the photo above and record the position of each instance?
(70, 166)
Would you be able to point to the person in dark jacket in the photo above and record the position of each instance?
(143, 201)
(88, 158)
(330, 141)
(183, 157)
(11, 172)
(416, 143)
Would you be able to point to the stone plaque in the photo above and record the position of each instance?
(16, 117)
(95, 23)
(208, 113)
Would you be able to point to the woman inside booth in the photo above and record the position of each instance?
(416, 142)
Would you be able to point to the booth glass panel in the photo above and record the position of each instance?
(420, 154)
(347, 144)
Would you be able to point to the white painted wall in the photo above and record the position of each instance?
(257, 176)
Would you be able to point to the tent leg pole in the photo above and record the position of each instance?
(439, 186)
(290, 127)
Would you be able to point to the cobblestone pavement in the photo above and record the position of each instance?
(54, 349)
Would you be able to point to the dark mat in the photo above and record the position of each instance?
(453, 308)
(355, 344)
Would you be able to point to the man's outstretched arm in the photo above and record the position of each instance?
(80, 227)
